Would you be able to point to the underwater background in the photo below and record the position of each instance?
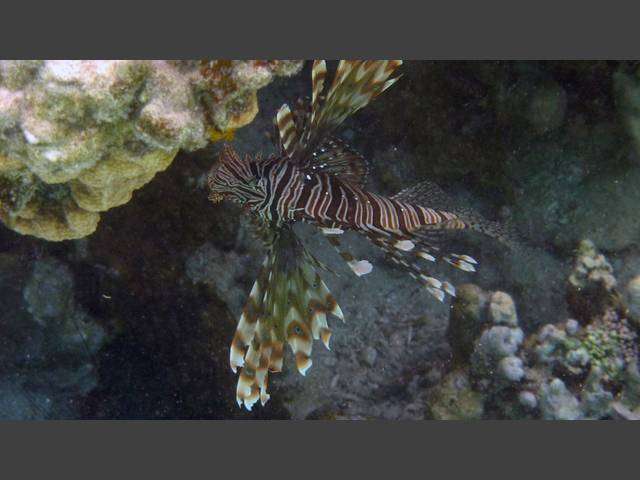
(121, 284)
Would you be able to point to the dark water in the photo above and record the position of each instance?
(135, 320)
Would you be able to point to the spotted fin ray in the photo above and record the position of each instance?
(358, 267)
(336, 157)
(409, 252)
(288, 304)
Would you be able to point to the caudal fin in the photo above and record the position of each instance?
(416, 249)
(429, 194)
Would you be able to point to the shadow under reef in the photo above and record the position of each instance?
(166, 350)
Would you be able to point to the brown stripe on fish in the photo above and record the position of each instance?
(277, 354)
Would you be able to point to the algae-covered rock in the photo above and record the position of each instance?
(535, 102)
(49, 341)
(454, 399)
(16, 402)
(547, 108)
(591, 283)
(468, 318)
(502, 310)
(78, 137)
(596, 401)
(224, 271)
(48, 296)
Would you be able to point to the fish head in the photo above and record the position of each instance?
(233, 178)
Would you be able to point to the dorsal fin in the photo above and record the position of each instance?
(336, 157)
(300, 115)
(304, 131)
(282, 126)
(425, 193)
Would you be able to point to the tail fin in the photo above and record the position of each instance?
(289, 303)
(428, 242)
(428, 194)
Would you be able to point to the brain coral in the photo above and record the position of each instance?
(78, 137)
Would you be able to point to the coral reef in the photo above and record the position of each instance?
(78, 137)
(568, 370)
(539, 145)
(591, 283)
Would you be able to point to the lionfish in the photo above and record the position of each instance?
(320, 180)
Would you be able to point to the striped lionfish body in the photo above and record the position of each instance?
(316, 179)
